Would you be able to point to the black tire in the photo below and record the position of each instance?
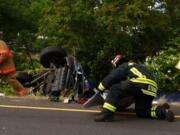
(53, 54)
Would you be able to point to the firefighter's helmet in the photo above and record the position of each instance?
(118, 59)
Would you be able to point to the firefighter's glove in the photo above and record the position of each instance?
(101, 88)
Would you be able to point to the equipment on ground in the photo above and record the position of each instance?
(98, 99)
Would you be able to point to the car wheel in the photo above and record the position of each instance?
(53, 55)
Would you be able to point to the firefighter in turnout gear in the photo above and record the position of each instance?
(8, 69)
(131, 79)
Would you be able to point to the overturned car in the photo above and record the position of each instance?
(62, 76)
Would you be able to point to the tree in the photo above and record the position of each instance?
(163, 67)
(71, 24)
(95, 30)
(19, 22)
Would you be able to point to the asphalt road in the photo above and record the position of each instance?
(31, 116)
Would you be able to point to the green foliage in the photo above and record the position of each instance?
(67, 22)
(26, 64)
(17, 15)
(163, 67)
(94, 32)
(133, 27)
(6, 89)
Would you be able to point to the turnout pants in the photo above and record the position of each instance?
(143, 102)
(12, 81)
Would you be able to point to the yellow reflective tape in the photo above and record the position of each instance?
(109, 107)
(136, 72)
(153, 90)
(113, 107)
(130, 63)
(140, 81)
(101, 87)
(149, 93)
(148, 80)
(145, 81)
(153, 108)
(153, 114)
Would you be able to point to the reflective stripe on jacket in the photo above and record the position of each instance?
(4, 54)
(7, 71)
(152, 88)
(7, 52)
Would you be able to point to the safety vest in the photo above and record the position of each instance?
(7, 71)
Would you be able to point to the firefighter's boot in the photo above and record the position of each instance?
(104, 116)
(23, 92)
(164, 112)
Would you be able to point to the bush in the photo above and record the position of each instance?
(23, 63)
(6, 89)
(163, 67)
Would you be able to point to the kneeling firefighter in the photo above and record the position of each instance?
(8, 69)
(131, 79)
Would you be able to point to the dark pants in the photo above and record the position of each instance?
(143, 103)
